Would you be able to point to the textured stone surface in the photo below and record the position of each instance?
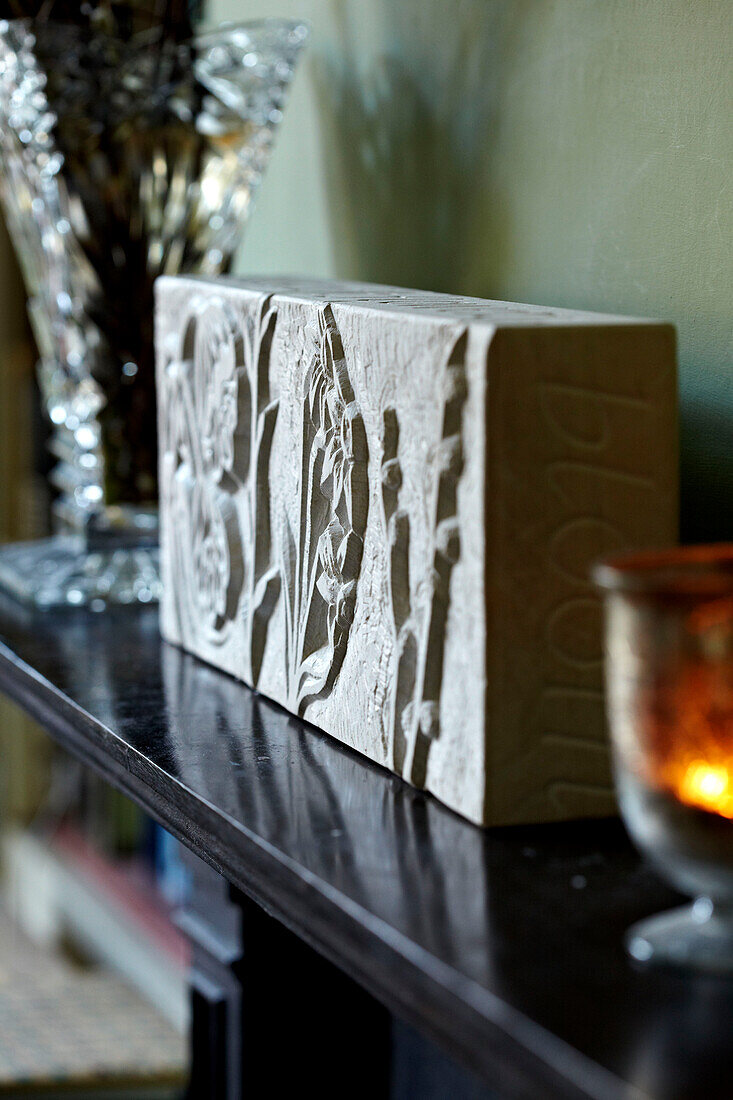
(379, 507)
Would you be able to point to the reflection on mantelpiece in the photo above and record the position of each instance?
(320, 801)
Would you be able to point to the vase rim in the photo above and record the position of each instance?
(221, 30)
(265, 23)
(671, 572)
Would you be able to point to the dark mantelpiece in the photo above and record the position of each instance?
(504, 946)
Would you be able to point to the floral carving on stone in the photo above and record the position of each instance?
(216, 441)
(321, 554)
(412, 712)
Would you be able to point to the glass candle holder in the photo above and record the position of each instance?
(669, 670)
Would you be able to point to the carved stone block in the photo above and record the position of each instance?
(379, 508)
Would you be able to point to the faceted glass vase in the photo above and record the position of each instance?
(121, 159)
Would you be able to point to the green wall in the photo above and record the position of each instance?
(569, 152)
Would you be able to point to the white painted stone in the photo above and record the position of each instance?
(379, 507)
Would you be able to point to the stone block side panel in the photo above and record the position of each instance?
(581, 461)
(322, 517)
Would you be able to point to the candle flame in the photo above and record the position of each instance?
(686, 722)
(708, 787)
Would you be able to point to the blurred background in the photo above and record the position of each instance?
(563, 152)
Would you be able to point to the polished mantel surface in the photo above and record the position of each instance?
(504, 945)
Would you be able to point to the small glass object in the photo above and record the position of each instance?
(669, 670)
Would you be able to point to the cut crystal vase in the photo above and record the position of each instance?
(121, 159)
